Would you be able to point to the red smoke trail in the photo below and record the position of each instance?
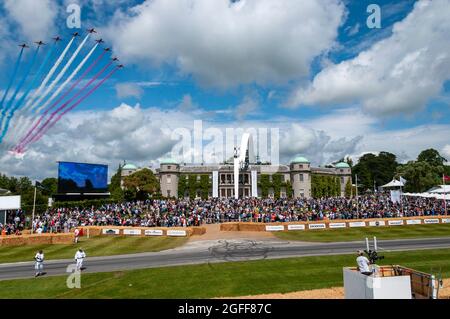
(93, 64)
(25, 142)
(44, 129)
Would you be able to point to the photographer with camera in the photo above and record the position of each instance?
(363, 264)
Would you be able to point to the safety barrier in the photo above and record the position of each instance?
(333, 224)
(36, 239)
(141, 231)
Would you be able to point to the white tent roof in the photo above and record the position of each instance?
(441, 190)
(393, 183)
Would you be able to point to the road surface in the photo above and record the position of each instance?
(216, 251)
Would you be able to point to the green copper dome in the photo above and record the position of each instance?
(342, 165)
(300, 159)
(130, 166)
(169, 161)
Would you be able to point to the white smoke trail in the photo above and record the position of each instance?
(48, 77)
(20, 124)
(22, 127)
(69, 79)
(60, 75)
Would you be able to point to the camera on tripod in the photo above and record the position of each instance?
(372, 255)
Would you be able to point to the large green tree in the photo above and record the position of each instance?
(424, 173)
(420, 176)
(378, 169)
(115, 187)
(432, 157)
(23, 186)
(50, 185)
(141, 184)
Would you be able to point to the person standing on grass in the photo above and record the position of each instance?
(39, 265)
(79, 258)
(77, 235)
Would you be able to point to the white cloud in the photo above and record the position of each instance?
(142, 136)
(398, 74)
(35, 18)
(125, 90)
(247, 106)
(446, 152)
(224, 43)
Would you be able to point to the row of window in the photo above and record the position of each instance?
(245, 178)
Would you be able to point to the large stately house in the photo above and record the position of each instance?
(245, 176)
(297, 179)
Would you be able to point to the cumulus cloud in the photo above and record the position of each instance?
(125, 90)
(144, 135)
(35, 18)
(398, 74)
(227, 43)
(446, 152)
(247, 106)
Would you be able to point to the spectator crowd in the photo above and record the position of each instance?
(186, 212)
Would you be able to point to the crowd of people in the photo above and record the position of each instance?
(186, 212)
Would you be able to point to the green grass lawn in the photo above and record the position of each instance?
(218, 280)
(96, 246)
(353, 234)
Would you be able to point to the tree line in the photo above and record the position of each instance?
(372, 170)
(421, 174)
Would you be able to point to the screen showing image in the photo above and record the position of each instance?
(82, 178)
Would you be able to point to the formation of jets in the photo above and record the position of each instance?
(76, 34)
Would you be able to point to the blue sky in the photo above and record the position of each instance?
(286, 68)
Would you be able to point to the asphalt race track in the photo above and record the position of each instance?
(216, 251)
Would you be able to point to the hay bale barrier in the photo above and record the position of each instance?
(332, 224)
(36, 239)
(141, 231)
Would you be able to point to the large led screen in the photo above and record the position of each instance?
(82, 178)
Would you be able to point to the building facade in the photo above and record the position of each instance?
(296, 180)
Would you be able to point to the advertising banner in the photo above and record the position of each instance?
(275, 228)
(177, 233)
(133, 232)
(317, 226)
(296, 227)
(337, 225)
(153, 232)
(111, 231)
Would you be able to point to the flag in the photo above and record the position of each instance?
(446, 178)
(403, 181)
(39, 185)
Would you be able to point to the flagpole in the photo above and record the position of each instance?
(34, 209)
(357, 199)
(445, 199)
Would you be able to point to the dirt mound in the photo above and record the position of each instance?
(329, 293)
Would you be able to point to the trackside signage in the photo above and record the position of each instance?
(445, 220)
(296, 227)
(275, 228)
(377, 223)
(153, 232)
(357, 224)
(413, 222)
(111, 231)
(132, 232)
(395, 222)
(176, 233)
(337, 225)
(316, 226)
(431, 221)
